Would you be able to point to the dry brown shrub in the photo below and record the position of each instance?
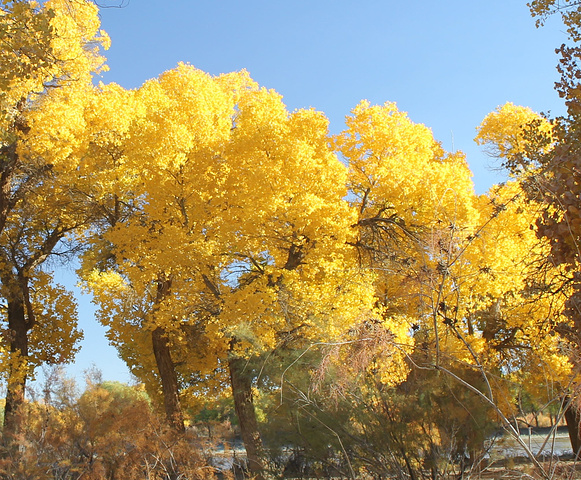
(110, 432)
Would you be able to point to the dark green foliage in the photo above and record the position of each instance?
(328, 421)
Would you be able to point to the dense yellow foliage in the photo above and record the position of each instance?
(56, 43)
(452, 268)
(48, 55)
(504, 131)
(396, 166)
(239, 207)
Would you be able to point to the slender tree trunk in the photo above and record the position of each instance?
(169, 381)
(13, 411)
(241, 382)
(165, 365)
(573, 419)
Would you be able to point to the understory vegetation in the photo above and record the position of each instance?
(427, 428)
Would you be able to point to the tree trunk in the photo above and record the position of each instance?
(18, 331)
(573, 419)
(165, 365)
(169, 381)
(241, 382)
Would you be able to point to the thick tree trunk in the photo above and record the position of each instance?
(13, 411)
(241, 382)
(169, 381)
(573, 419)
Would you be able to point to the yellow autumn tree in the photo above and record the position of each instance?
(48, 55)
(415, 202)
(535, 153)
(175, 126)
(451, 267)
(238, 240)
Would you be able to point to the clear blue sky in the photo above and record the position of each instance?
(447, 63)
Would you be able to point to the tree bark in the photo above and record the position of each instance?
(18, 331)
(165, 365)
(241, 382)
(573, 419)
(169, 381)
